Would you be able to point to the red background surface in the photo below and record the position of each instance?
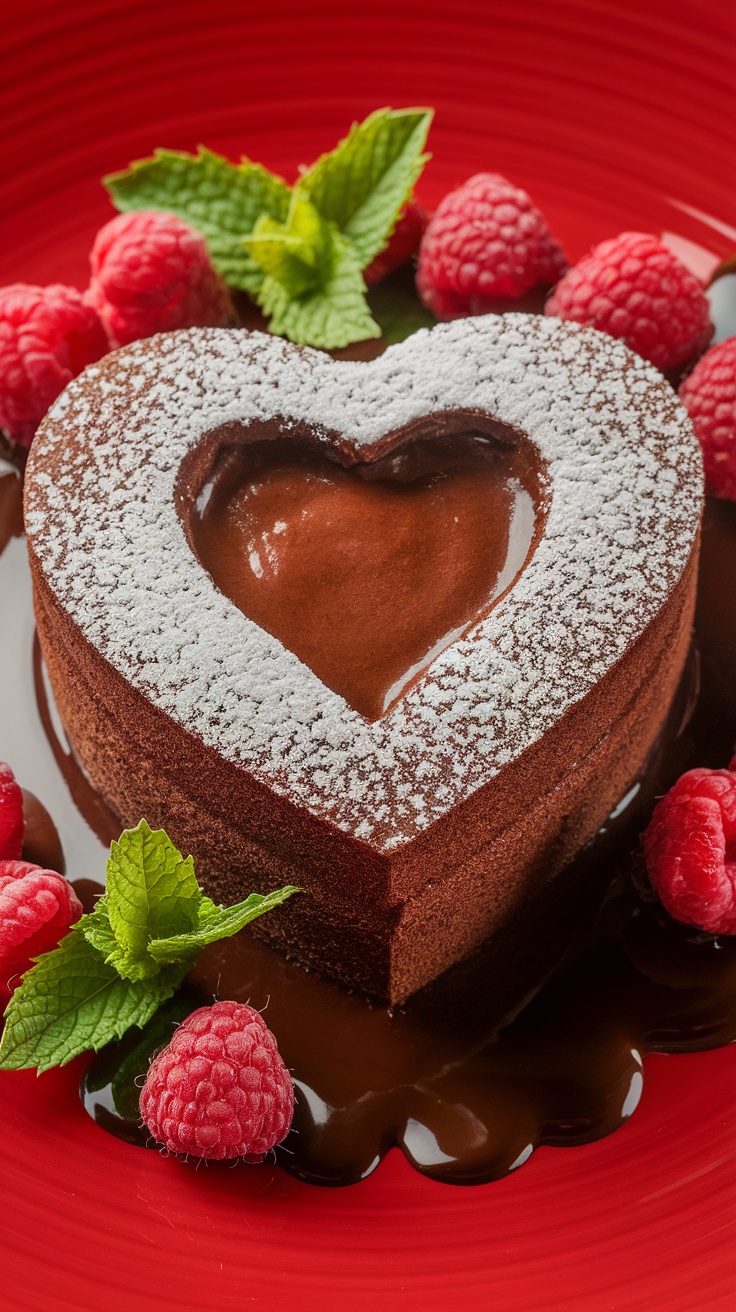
(608, 113)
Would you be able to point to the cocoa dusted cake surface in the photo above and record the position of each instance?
(419, 829)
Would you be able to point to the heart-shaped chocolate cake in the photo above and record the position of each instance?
(399, 632)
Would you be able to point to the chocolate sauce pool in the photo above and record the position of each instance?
(539, 1039)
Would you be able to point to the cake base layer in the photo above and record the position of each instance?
(385, 923)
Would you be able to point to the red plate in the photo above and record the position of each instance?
(614, 114)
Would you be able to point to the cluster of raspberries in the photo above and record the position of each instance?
(487, 248)
(149, 273)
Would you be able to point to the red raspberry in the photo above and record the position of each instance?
(220, 1089)
(402, 244)
(710, 396)
(633, 287)
(152, 273)
(37, 908)
(47, 336)
(485, 243)
(690, 850)
(11, 815)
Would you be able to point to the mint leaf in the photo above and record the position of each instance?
(99, 932)
(296, 253)
(362, 184)
(152, 892)
(216, 923)
(122, 1063)
(331, 315)
(221, 200)
(71, 1001)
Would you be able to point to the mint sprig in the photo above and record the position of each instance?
(361, 185)
(298, 252)
(72, 1001)
(330, 315)
(119, 963)
(314, 290)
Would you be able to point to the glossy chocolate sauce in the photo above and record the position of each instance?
(11, 504)
(41, 842)
(367, 571)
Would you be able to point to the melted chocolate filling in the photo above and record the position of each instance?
(367, 570)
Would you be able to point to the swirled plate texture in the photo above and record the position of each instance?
(613, 115)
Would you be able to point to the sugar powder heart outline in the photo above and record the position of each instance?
(625, 496)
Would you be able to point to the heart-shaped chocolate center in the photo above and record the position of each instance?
(366, 570)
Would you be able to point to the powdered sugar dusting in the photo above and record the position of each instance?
(626, 493)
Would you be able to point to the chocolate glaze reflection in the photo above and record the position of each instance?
(536, 1040)
(11, 504)
(367, 570)
(41, 842)
(721, 294)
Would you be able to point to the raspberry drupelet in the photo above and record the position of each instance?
(690, 850)
(152, 273)
(633, 287)
(220, 1089)
(486, 242)
(47, 336)
(709, 394)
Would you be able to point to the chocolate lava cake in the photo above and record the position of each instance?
(418, 716)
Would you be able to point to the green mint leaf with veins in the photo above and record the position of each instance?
(297, 253)
(152, 892)
(99, 932)
(362, 184)
(216, 923)
(332, 314)
(221, 200)
(71, 1001)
